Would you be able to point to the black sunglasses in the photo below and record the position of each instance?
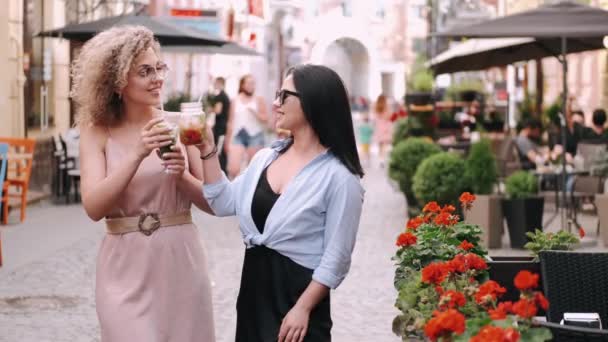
(282, 95)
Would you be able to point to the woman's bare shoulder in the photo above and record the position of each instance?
(94, 135)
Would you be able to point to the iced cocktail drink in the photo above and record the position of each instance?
(172, 133)
(192, 124)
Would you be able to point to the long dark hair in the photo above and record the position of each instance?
(324, 100)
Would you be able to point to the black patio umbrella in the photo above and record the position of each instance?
(484, 53)
(165, 31)
(564, 22)
(226, 49)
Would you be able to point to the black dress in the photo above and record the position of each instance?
(271, 285)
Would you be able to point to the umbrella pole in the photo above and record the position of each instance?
(564, 127)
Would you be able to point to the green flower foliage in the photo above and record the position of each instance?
(540, 241)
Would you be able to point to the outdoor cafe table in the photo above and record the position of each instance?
(554, 176)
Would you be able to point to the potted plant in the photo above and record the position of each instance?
(420, 91)
(482, 174)
(504, 268)
(523, 208)
(420, 84)
(174, 101)
(404, 160)
(465, 90)
(440, 177)
(443, 290)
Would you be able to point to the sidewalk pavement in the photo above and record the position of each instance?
(47, 281)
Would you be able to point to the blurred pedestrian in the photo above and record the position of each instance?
(246, 121)
(383, 126)
(221, 108)
(365, 133)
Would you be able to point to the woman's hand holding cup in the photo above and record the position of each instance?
(208, 144)
(152, 137)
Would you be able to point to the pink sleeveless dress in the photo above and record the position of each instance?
(152, 288)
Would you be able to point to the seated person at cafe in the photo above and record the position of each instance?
(596, 134)
(574, 132)
(468, 117)
(527, 144)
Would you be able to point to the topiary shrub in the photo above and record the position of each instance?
(441, 178)
(521, 184)
(404, 160)
(480, 170)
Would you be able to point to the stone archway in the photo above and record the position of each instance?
(349, 49)
(350, 59)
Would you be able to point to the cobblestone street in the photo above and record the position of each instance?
(47, 282)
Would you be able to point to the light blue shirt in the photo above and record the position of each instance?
(315, 220)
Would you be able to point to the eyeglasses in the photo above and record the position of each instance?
(282, 95)
(150, 73)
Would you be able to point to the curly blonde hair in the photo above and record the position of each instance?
(100, 72)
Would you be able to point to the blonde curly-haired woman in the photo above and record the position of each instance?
(152, 280)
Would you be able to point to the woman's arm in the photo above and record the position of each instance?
(342, 223)
(191, 182)
(262, 113)
(101, 191)
(295, 323)
(218, 191)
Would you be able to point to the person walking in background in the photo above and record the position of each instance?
(245, 126)
(152, 282)
(383, 130)
(221, 108)
(298, 204)
(366, 131)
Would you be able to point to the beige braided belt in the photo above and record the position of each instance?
(145, 223)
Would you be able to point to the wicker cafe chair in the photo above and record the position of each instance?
(568, 333)
(575, 282)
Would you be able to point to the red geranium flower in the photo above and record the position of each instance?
(446, 219)
(525, 308)
(414, 223)
(439, 289)
(444, 324)
(526, 280)
(406, 239)
(489, 291)
(475, 262)
(448, 209)
(491, 333)
(540, 300)
(457, 265)
(466, 200)
(501, 310)
(434, 273)
(465, 245)
(452, 299)
(431, 207)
